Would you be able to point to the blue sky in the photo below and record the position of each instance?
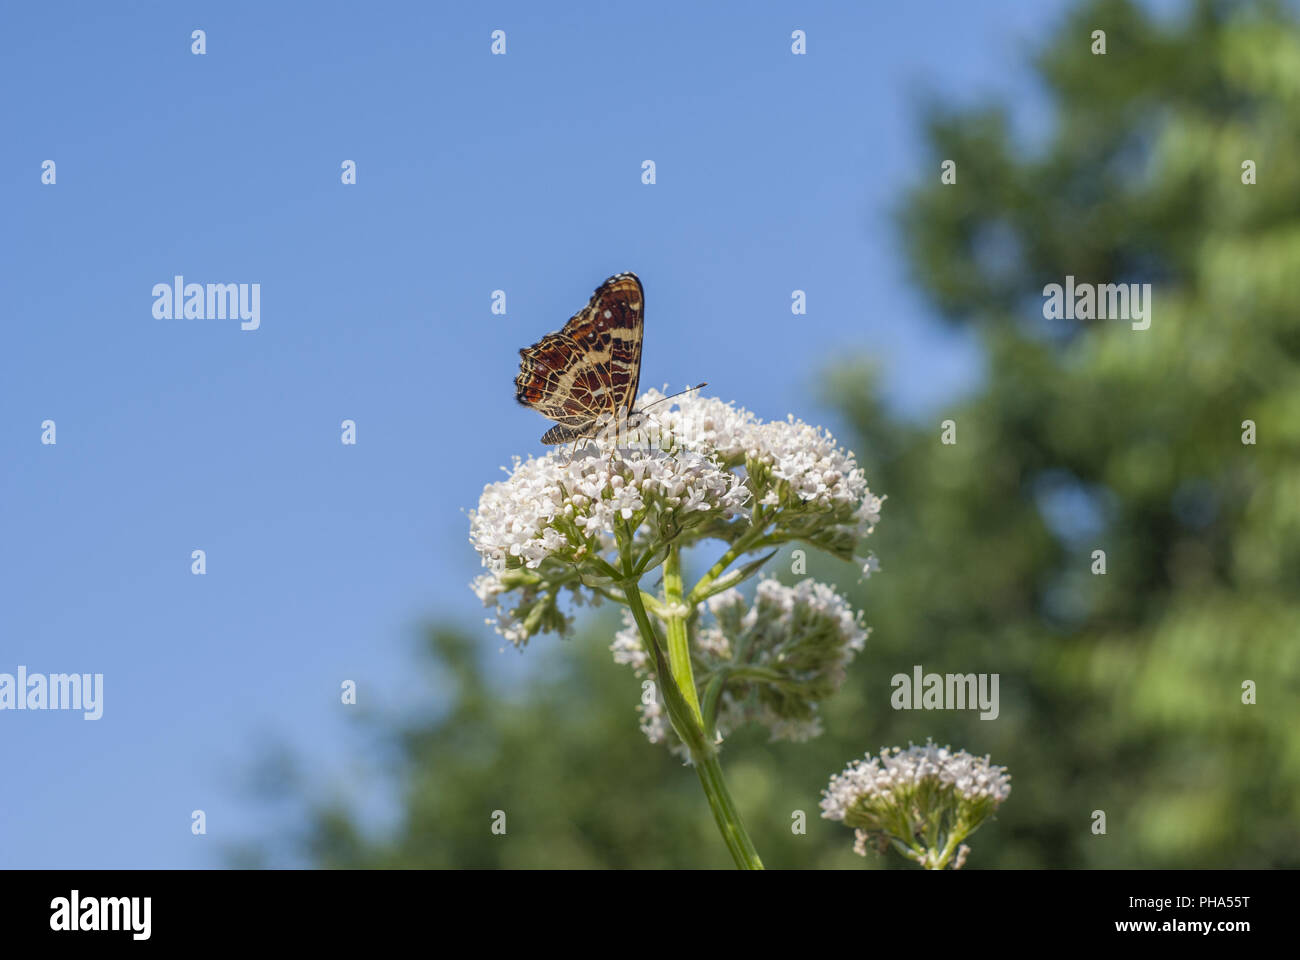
(475, 172)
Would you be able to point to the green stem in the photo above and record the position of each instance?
(679, 647)
(703, 753)
(955, 838)
(725, 813)
(745, 543)
(651, 604)
(679, 711)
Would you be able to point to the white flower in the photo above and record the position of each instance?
(703, 425)
(627, 646)
(487, 587)
(973, 778)
(805, 461)
(570, 507)
(809, 599)
(799, 641)
(921, 787)
(654, 724)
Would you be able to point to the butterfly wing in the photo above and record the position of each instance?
(554, 380)
(610, 329)
(589, 368)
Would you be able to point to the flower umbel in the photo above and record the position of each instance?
(703, 469)
(588, 525)
(924, 801)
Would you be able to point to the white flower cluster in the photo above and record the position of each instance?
(789, 462)
(896, 795)
(568, 507)
(973, 778)
(777, 659)
(563, 522)
(629, 650)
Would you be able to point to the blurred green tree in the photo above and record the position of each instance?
(1120, 692)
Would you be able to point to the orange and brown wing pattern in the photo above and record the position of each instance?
(591, 367)
(609, 329)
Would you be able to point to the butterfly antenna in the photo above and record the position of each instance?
(642, 412)
(698, 386)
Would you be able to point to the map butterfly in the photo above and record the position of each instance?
(586, 375)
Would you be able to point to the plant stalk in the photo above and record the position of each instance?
(684, 714)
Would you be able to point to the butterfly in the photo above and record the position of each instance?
(586, 375)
